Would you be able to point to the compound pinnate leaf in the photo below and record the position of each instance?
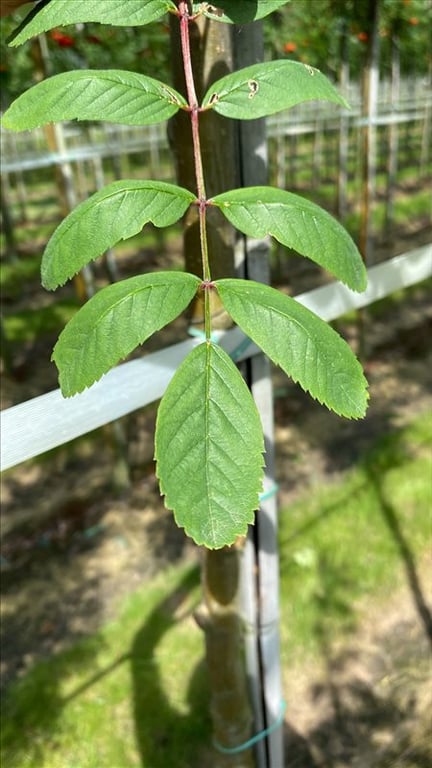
(209, 448)
(59, 13)
(115, 321)
(238, 11)
(266, 88)
(302, 344)
(111, 95)
(296, 223)
(116, 212)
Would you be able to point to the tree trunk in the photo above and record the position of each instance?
(220, 618)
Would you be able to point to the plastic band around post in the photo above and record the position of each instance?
(198, 333)
(255, 739)
(272, 491)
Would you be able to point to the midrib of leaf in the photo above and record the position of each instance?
(131, 296)
(209, 446)
(69, 224)
(206, 445)
(309, 341)
(274, 229)
(50, 17)
(133, 93)
(207, 438)
(108, 95)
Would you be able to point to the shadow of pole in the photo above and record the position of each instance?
(391, 519)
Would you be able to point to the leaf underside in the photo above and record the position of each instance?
(111, 95)
(59, 13)
(209, 447)
(269, 87)
(298, 224)
(302, 344)
(115, 321)
(116, 212)
(238, 11)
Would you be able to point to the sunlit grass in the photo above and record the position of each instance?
(31, 324)
(344, 542)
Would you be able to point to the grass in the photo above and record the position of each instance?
(14, 275)
(135, 693)
(32, 324)
(81, 708)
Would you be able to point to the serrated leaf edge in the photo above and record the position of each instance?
(64, 374)
(295, 379)
(100, 198)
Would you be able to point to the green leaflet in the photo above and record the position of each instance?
(302, 344)
(112, 95)
(117, 212)
(114, 321)
(209, 447)
(59, 13)
(296, 223)
(266, 88)
(238, 11)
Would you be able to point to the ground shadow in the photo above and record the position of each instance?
(371, 702)
(399, 371)
(67, 541)
(31, 714)
(375, 469)
(161, 729)
(366, 722)
(370, 709)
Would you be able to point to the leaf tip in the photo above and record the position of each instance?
(47, 281)
(216, 540)
(67, 388)
(7, 123)
(359, 282)
(360, 405)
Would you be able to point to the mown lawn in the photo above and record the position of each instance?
(135, 694)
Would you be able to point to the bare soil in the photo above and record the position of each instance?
(366, 702)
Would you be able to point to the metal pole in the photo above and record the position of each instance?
(260, 563)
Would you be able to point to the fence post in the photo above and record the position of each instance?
(368, 163)
(343, 147)
(426, 140)
(8, 223)
(369, 112)
(393, 129)
(56, 143)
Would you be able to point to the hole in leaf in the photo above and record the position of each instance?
(253, 87)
